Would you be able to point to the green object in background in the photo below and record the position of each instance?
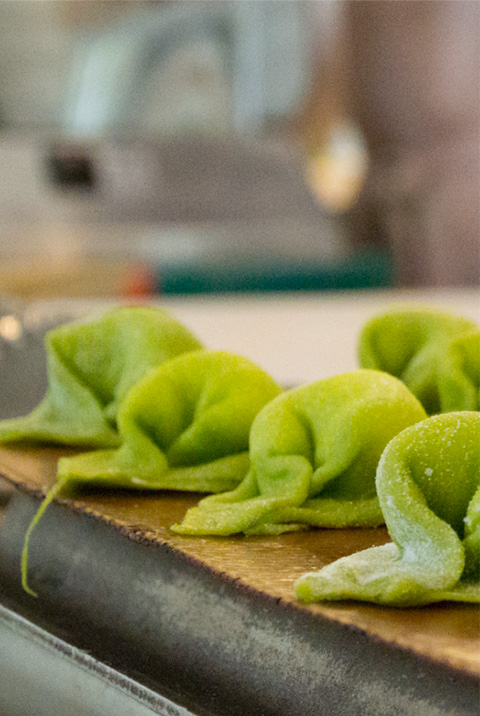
(363, 269)
(91, 366)
(428, 483)
(420, 346)
(459, 379)
(314, 452)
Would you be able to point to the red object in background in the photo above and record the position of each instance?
(140, 282)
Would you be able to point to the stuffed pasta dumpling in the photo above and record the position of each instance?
(314, 451)
(184, 426)
(459, 379)
(415, 345)
(91, 366)
(428, 483)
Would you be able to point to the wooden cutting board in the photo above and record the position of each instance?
(446, 633)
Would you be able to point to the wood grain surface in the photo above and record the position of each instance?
(445, 633)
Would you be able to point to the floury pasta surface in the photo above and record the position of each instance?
(162, 412)
(436, 355)
(428, 483)
(313, 451)
(91, 366)
(183, 426)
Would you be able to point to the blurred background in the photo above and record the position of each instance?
(238, 145)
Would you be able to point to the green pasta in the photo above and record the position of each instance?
(428, 483)
(91, 366)
(183, 426)
(314, 451)
(418, 345)
(459, 379)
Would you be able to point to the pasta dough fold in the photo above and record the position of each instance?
(428, 483)
(313, 452)
(436, 355)
(183, 426)
(91, 366)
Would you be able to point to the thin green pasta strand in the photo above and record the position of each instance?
(52, 493)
